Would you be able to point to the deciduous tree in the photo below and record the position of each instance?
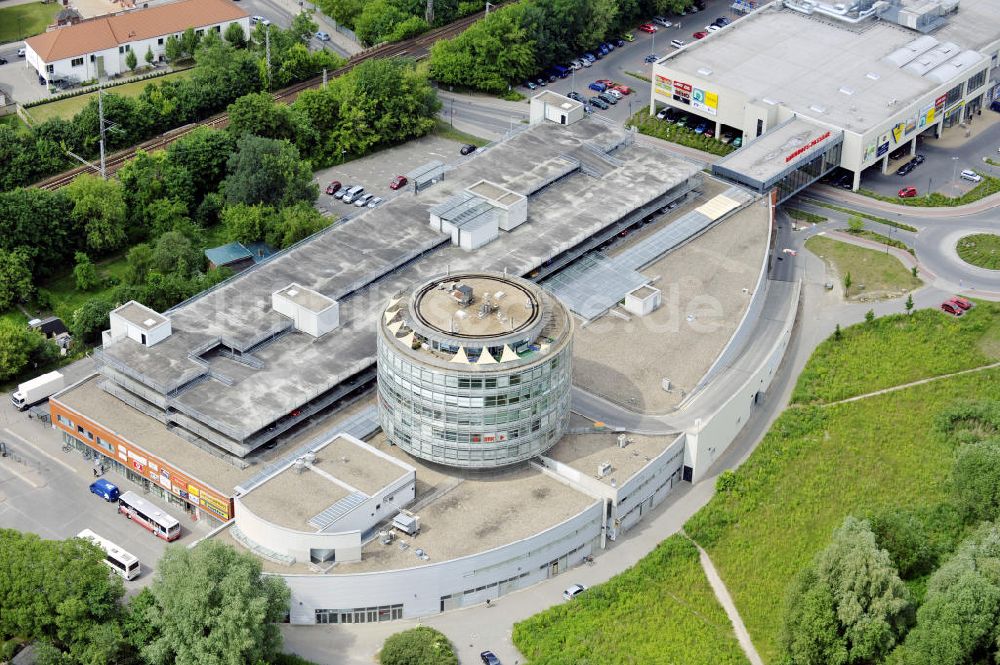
(90, 319)
(15, 277)
(268, 171)
(130, 60)
(234, 35)
(84, 273)
(98, 207)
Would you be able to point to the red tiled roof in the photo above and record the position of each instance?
(111, 31)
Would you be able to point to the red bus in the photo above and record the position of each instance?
(148, 516)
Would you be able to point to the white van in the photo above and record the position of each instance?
(353, 194)
(677, 43)
(969, 174)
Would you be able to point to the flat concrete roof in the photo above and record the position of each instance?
(644, 291)
(562, 101)
(113, 414)
(778, 149)
(364, 260)
(804, 62)
(311, 300)
(976, 24)
(139, 315)
(494, 193)
(585, 452)
(295, 495)
(439, 309)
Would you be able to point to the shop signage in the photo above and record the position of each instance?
(801, 149)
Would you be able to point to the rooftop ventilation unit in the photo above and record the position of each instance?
(603, 469)
(847, 91)
(705, 71)
(768, 100)
(873, 76)
(817, 108)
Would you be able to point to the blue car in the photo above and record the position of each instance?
(700, 129)
(599, 87)
(603, 49)
(105, 490)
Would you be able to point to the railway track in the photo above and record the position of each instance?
(416, 47)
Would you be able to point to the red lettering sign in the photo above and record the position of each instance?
(798, 151)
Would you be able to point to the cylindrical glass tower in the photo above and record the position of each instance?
(474, 370)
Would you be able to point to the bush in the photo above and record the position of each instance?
(649, 125)
(418, 646)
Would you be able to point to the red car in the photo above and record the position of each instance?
(332, 188)
(622, 88)
(962, 303)
(607, 82)
(397, 182)
(701, 34)
(954, 310)
(647, 27)
(907, 192)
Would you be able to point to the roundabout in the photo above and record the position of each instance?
(981, 250)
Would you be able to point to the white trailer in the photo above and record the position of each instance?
(38, 389)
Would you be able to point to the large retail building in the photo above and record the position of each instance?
(844, 84)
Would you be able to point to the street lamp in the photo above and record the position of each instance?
(452, 111)
(488, 5)
(954, 171)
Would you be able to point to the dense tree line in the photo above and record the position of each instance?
(911, 587)
(519, 40)
(206, 606)
(223, 72)
(375, 21)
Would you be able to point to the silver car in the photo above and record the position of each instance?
(375, 201)
(363, 200)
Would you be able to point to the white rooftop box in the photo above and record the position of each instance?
(511, 206)
(548, 105)
(137, 322)
(642, 301)
(310, 310)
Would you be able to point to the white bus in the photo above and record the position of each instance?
(148, 516)
(118, 560)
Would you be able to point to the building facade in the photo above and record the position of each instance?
(474, 370)
(98, 48)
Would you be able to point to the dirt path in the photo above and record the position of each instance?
(904, 386)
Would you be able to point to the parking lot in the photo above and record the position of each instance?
(20, 80)
(45, 490)
(376, 171)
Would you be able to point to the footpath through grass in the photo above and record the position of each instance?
(981, 250)
(873, 273)
(69, 107)
(816, 466)
(23, 21)
(662, 610)
(893, 350)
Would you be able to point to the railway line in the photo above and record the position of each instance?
(416, 47)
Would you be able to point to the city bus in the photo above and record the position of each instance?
(117, 559)
(148, 516)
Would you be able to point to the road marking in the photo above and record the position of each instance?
(54, 459)
(27, 480)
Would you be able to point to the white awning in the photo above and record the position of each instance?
(486, 358)
(508, 354)
(460, 357)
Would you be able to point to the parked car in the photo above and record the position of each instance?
(489, 658)
(629, 37)
(353, 194)
(951, 309)
(711, 27)
(614, 93)
(598, 86)
(652, 57)
(905, 168)
(609, 46)
(363, 200)
(622, 88)
(907, 192)
(969, 174)
(599, 103)
(722, 20)
(573, 94)
(700, 129)
(610, 99)
(573, 591)
(397, 182)
(662, 20)
(530, 85)
(323, 36)
(468, 148)
(3, 61)
(619, 43)
(20, 52)
(589, 57)
(340, 193)
(575, 64)
(678, 43)
(918, 160)
(542, 82)
(586, 63)
(737, 142)
(104, 489)
(375, 201)
(960, 302)
(682, 120)
(662, 113)
(254, 20)
(332, 188)
(647, 28)
(710, 132)
(725, 138)
(700, 35)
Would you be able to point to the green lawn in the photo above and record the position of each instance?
(980, 249)
(883, 239)
(66, 299)
(22, 21)
(69, 107)
(813, 468)
(660, 611)
(445, 130)
(893, 350)
(804, 216)
(873, 273)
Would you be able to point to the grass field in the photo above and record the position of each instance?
(67, 108)
(856, 213)
(804, 216)
(22, 21)
(981, 250)
(872, 272)
(814, 467)
(660, 611)
(445, 130)
(893, 350)
(885, 240)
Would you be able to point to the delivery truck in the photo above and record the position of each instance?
(37, 390)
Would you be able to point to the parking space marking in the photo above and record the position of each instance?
(54, 459)
(18, 475)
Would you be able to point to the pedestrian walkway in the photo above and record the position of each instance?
(722, 595)
(911, 384)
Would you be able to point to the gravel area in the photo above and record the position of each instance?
(705, 288)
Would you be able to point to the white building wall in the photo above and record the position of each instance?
(515, 215)
(709, 438)
(647, 488)
(377, 509)
(297, 544)
(420, 590)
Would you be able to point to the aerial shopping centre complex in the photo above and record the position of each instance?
(812, 85)
(414, 410)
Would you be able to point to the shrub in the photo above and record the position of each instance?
(418, 646)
